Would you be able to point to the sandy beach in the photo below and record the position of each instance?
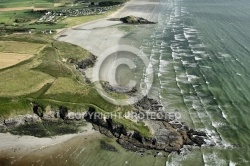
(101, 34)
(27, 144)
(98, 36)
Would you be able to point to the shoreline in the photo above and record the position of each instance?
(92, 34)
(23, 145)
(102, 28)
(100, 35)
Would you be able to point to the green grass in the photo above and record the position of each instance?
(30, 3)
(73, 21)
(49, 81)
(44, 26)
(17, 82)
(20, 47)
(47, 78)
(140, 126)
(33, 39)
(14, 106)
(67, 50)
(27, 19)
(55, 69)
(9, 17)
(47, 69)
(16, 3)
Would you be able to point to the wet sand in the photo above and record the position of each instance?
(27, 144)
(100, 35)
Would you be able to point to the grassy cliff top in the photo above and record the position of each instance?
(48, 79)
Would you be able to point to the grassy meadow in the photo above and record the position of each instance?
(16, 15)
(44, 76)
(31, 3)
(48, 80)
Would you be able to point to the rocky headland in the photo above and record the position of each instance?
(166, 133)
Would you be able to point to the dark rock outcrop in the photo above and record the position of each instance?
(135, 20)
(168, 134)
(125, 90)
(165, 136)
(198, 140)
(86, 63)
(19, 120)
(38, 109)
(63, 112)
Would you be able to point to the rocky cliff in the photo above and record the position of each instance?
(167, 134)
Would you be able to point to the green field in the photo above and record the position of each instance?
(30, 3)
(17, 16)
(8, 20)
(48, 80)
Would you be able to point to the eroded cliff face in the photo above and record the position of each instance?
(43, 122)
(166, 133)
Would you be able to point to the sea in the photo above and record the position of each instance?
(200, 53)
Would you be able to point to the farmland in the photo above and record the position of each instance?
(47, 15)
(34, 67)
(46, 78)
(10, 59)
(30, 3)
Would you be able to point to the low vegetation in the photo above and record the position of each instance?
(10, 59)
(51, 81)
(40, 16)
(40, 72)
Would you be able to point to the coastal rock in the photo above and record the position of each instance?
(198, 140)
(125, 90)
(186, 139)
(13, 122)
(148, 104)
(135, 20)
(38, 109)
(63, 112)
(176, 124)
(19, 120)
(168, 134)
(49, 115)
(86, 63)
